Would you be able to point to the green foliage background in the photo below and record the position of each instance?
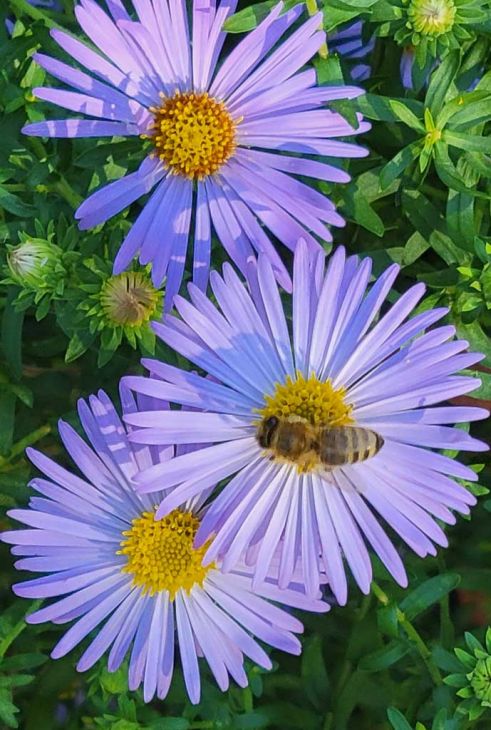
(419, 199)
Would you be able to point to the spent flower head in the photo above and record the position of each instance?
(118, 307)
(474, 681)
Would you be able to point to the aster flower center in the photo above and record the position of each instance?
(160, 553)
(193, 134)
(129, 299)
(432, 17)
(301, 402)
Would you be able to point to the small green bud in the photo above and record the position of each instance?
(480, 680)
(34, 263)
(432, 17)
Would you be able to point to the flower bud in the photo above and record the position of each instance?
(32, 263)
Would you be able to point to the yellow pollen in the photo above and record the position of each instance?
(193, 134)
(160, 553)
(313, 400)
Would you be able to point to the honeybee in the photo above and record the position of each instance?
(296, 440)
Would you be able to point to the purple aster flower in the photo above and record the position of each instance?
(223, 141)
(111, 565)
(348, 41)
(342, 365)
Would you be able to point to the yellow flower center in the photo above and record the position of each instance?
(313, 400)
(193, 134)
(432, 17)
(299, 407)
(160, 553)
(129, 299)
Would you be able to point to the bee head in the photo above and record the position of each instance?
(266, 431)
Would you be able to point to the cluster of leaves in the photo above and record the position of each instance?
(421, 199)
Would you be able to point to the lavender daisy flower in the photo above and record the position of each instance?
(111, 565)
(214, 133)
(342, 365)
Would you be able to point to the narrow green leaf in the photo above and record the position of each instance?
(440, 82)
(470, 142)
(428, 593)
(250, 17)
(405, 115)
(397, 719)
(383, 658)
(393, 169)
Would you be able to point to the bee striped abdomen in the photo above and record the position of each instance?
(348, 445)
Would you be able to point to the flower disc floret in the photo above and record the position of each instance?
(160, 553)
(432, 17)
(193, 134)
(311, 399)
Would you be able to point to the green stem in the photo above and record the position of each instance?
(16, 630)
(63, 188)
(412, 635)
(248, 699)
(19, 447)
(312, 9)
(22, 7)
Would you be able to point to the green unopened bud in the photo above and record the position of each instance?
(481, 681)
(432, 17)
(33, 263)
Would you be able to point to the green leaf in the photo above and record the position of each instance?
(428, 593)
(7, 709)
(250, 17)
(12, 322)
(448, 174)
(397, 719)
(7, 421)
(77, 346)
(456, 680)
(171, 723)
(469, 142)
(440, 82)
(405, 115)
(396, 166)
(380, 108)
(383, 658)
(13, 204)
(471, 108)
(315, 678)
(478, 339)
(251, 720)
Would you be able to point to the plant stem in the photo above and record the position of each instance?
(63, 188)
(412, 635)
(28, 440)
(15, 631)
